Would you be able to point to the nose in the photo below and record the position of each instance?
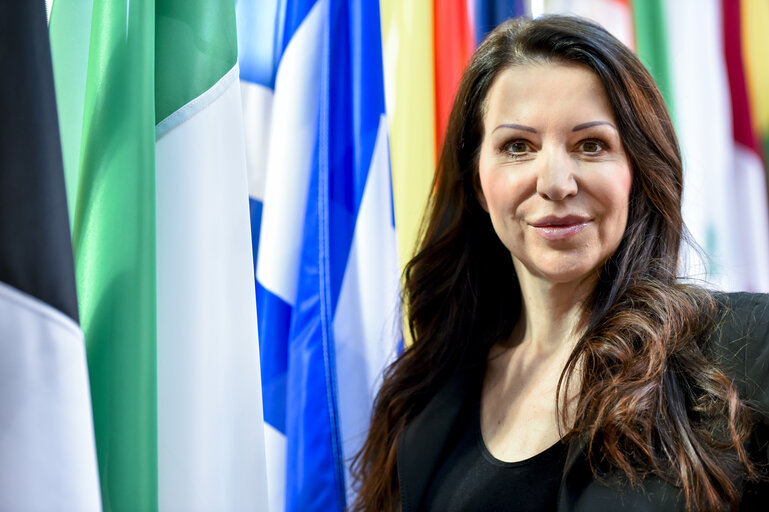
(556, 178)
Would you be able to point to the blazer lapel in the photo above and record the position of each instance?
(421, 445)
(576, 474)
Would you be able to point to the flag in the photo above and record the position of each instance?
(259, 47)
(750, 192)
(614, 15)
(407, 36)
(487, 14)
(47, 451)
(700, 94)
(163, 254)
(755, 47)
(327, 274)
(652, 46)
(71, 45)
(294, 121)
(454, 45)
(257, 21)
(114, 242)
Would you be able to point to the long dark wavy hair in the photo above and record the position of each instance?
(650, 401)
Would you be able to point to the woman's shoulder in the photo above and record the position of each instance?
(739, 342)
(740, 301)
(742, 317)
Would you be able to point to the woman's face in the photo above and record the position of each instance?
(554, 176)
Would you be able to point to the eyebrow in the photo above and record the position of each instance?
(516, 127)
(577, 128)
(591, 124)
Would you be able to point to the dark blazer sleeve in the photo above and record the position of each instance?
(742, 348)
(757, 353)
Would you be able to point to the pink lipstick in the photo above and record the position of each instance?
(555, 227)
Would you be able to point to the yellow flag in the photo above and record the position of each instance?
(755, 52)
(407, 45)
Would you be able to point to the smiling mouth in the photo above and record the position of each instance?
(559, 228)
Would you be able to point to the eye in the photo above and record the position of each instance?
(592, 146)
(516, 147)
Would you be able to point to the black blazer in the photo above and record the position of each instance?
(740, 344)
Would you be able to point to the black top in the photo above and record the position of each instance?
(470, 478)
(739, 344)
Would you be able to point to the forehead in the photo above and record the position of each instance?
(547, 91)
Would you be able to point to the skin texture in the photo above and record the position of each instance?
(556, 182)
(557, 171)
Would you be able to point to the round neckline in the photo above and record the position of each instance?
(553, 450)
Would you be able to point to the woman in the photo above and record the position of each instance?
(558, 362)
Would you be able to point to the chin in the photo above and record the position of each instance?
(568, 276)
(563, 272)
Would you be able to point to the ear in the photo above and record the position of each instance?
(479, 192)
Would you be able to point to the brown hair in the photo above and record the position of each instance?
(650, 401)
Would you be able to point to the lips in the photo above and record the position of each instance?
(555, 227)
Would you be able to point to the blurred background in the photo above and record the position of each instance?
(201, 256)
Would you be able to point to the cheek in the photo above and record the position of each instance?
(497, 200)
(617, 199)
(491, 196)
(500, 188)
(489, 186)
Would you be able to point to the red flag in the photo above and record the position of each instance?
(454, 42)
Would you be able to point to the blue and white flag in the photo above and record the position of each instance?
(327, 272)
(258, 22)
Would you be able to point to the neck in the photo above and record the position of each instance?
(550, 312)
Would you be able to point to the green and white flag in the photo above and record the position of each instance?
(652, 45)
(157, 184)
